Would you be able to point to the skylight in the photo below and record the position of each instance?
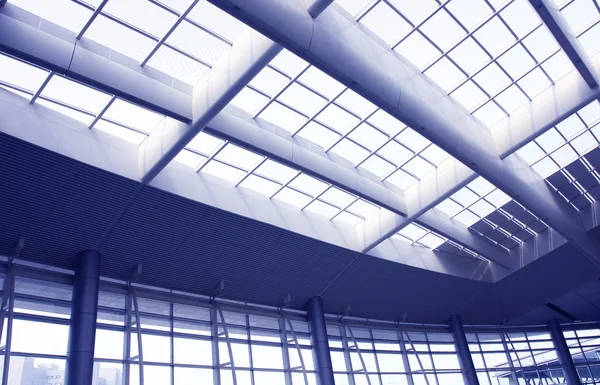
(583, 17)
(243, 168)
(420, 236)
(94, 108)
(310, 104)
(150, 32)
(491, 57)
(560, 155)
(486, 209)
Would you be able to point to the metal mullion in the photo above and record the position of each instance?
(41, 89)
(101, 113)
(298, 350)
(10, 297)
(168, 33)
(249, 344)
(314, 91)
(431, 358)
(317, 197)
(280, 72)
(97, 11)
(285, 184)
(343, 209)
(284, 350)
(116, 123)
(258, 91)
(468, 35)
(314, 115)
(363, 120)
(138, 325)
(127, 340)
(404, 354)
(590, 26)
(418, 358)
(15, 87)
(212, 156)
(229, 349)
(367, 9)
(281, 91)
(515, 82)
(418, 26)
(214, 328)
(188, 55)
(172, 342)
(346, 352)
(415, 154)
(382, 145)
(362, 361)
(194, 23)
(250, 171)
(495, 60)
(359, 144)
(375, 357)
(267, 178)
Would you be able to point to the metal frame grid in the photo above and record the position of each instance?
(583, 17)
(566, 156)
(584, 345)
(491, 57)
(490, 212)
(298, 97)
(518, 354)
(159, 39)
(363, 351)
(79, 101)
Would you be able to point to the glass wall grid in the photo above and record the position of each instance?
(184, 337)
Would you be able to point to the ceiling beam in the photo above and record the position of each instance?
(279, 145)
(249, 55)
(110, 72)
(559, 28)
(339, 46)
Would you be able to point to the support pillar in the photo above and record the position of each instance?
(319, 341)
(462, 350)
(82, 328)
(563, 353)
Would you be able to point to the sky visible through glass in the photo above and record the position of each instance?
(492, 57)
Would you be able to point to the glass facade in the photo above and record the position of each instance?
(187, 339)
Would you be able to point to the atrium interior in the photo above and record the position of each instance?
(299, 192)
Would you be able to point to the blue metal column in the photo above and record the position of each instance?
(319, 341)
(82, 328)
(462, 350)
(563, 353)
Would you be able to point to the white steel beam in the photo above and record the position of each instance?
(249, 55)
(339, 46)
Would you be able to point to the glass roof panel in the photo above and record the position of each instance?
(190, 159)
(205, 144)
(292, 197)
(199, 44)
(65, 13)
(583, 17)
(269, 81)
(223, 171)
(283, 117)
(239, 157)
(491, 213)
(565, 156)
(141, 14)
(260, 185)
(301, 99)
(70, 112)
(322, 208)
(350, 151)
(443, 30)
(21, 74)
(249, 100)
(75, 94)
(120, 132)
(418, 50)
(319, 134)
(217, 21)
(179, 66)
(386, 23)
(131, 115)
(119, 38)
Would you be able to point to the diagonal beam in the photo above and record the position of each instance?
(108, 74)
(249, 55)
(288, 150)
(341, 48)
(556, 23)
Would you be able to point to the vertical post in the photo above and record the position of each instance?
(214, 331)
(82, 328)
(462, 350)
(563, 353)
(320, 343)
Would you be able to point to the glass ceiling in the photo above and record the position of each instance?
(308, 103)
(151, 32)
(487, 210)
(566, 156)
(490, 56)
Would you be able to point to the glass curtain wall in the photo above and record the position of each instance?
(181, 339)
